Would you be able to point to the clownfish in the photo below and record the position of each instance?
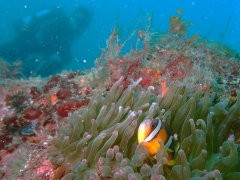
(150, 131)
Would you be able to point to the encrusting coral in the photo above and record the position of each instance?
(100, 142)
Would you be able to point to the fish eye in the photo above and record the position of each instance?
(154, 124)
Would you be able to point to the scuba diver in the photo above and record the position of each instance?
(43, 40)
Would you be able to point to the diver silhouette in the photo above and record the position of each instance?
(43, 40)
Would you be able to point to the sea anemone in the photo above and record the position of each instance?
(100, 142)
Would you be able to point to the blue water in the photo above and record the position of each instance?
(216, 17)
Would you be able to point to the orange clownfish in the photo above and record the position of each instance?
(150, 131)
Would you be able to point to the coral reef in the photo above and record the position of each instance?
(100, 142)
(167, 57)
(83, 125)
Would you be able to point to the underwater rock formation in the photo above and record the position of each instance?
(100, 142)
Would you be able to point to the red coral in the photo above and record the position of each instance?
(31, 113)
(55, 79)
(51, 83)
(177, 68)
(63, 94)
(34, 92)
(69, 106)
(12, 123)
(145, 82)
(48, 87)
(73, 74)
(11, 119)
(5, 140)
